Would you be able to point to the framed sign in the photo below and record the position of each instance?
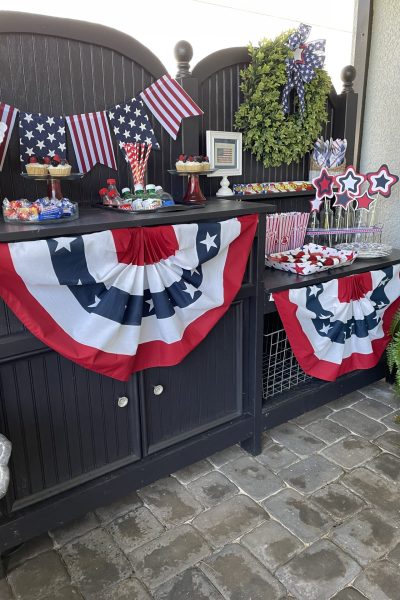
(224, 149)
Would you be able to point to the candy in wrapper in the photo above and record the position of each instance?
(40, 210)
(68, 207)
(50, 212)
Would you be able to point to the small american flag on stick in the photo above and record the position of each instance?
(169, 103)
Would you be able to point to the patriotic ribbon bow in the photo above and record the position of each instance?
(301, 68)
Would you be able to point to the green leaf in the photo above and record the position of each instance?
(272, 137)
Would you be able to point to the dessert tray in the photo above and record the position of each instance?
(248, 189)
(309, 259)
(176, 172)
(70, 177)
(366, 249)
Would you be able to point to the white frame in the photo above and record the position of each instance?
(211, 138)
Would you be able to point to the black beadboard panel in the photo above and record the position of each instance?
(64, 424)
(187, 385)
(220, 97)
(81, 77)
(9, 323)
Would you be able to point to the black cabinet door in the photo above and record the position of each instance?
(203, 391)
(67, 425)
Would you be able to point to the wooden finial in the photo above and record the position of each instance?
(348, 75)
(183, 53)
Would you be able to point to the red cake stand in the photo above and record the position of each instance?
(193, 194)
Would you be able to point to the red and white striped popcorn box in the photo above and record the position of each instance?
(271, 233)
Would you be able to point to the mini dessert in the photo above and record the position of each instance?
(206, 163)
(59, 167)
(35, 168)
(192, 163)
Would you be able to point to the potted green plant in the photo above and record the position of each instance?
(393, 351)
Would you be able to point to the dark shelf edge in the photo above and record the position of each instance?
(93, 219)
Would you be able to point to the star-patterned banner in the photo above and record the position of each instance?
(130, 123)
(44, 136)
(301, 68)
(41, 136)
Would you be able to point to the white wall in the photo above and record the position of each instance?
(381, 132)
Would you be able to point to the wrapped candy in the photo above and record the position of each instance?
(41, 210)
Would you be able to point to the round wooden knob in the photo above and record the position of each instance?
(183, 52)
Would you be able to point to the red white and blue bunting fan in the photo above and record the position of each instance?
(381, 181)
(91, 138)
(170, 103)
(146, 299)
(341, 325)
(8, 115)
(41, 136)
(301, 68)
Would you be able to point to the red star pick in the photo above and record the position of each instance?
(364, 201)
(324, 185)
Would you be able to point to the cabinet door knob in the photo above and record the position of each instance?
(158, 389)
(122, 401)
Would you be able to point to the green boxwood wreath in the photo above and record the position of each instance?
(275, 138)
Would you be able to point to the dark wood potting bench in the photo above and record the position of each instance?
(80, 439)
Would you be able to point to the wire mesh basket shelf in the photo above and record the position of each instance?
(281, 371)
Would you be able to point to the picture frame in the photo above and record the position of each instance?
(224, 150)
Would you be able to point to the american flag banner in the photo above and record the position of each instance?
(169, 103)
(8, 115)
(124, 300)
(41, 135)
(341, 325)
(92, 141)
(131, 124)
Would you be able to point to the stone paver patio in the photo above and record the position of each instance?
(316, 516)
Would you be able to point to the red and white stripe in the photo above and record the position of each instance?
(92, 142)
(169, 103)
(8, 115)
